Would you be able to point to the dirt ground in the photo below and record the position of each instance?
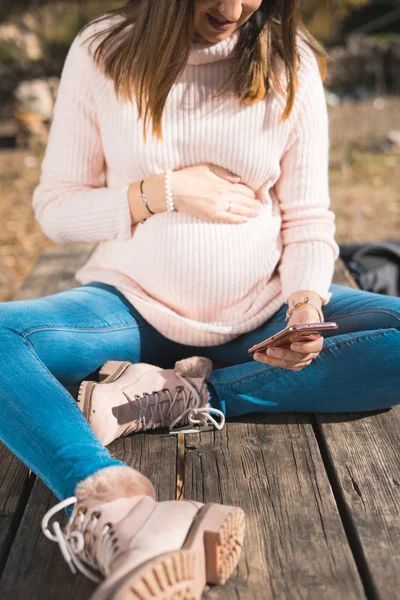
(364, 185)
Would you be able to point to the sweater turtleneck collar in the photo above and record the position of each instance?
(206, 52)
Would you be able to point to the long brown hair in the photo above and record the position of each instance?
(157, 47)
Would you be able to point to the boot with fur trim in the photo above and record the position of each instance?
(136, 547)
(141, 396)
(114, 482)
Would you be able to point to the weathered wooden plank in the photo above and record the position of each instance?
(54, 271)
(154, 454)
(363, 453)
(34, 567)
(15, 485)
(281, 504)
(295, 545)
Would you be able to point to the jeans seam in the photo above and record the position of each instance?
(335, 344)
(81, 329)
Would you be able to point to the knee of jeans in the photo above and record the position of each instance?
(7, 324)
(6, 334)
(10, 341)
(5, 321)
(15, 316)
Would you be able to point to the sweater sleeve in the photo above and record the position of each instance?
(308, 225)
(69, 202)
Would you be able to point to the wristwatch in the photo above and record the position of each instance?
(303, 300)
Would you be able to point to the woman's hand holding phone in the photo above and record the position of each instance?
(297, 354)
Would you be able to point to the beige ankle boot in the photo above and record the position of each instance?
(137, 548)
(140, 396)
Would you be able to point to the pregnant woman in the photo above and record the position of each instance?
(190, 142)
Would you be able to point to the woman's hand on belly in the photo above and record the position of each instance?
(204, 191)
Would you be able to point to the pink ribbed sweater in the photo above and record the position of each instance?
(198, 282)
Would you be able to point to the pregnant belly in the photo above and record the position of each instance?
(189, 264)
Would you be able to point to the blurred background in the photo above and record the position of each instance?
(362, 38)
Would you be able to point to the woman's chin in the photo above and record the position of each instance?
(208, 37)
(198, 38)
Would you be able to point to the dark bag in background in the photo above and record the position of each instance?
(374, 265)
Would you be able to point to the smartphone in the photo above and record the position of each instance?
(300, 330)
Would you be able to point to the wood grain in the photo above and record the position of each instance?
(55, 270)
(295, 545)
(362, 457)
(35, 568)
(364, 461)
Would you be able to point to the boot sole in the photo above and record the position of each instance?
(84, 397)
(210, 554)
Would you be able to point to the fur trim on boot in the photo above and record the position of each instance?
(194, 366)
(114, 482)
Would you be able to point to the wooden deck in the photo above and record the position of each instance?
(321, 494)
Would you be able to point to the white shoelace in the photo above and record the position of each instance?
(191, 408)
(72, 543)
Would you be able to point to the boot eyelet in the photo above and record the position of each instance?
(96, 514)
(179, 388)
(137, 397)
(116, 548)
(82, 510)
(165, 390)
(108, 525)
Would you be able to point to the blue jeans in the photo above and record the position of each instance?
(50, 343)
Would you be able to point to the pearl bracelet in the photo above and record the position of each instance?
(168, 190)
